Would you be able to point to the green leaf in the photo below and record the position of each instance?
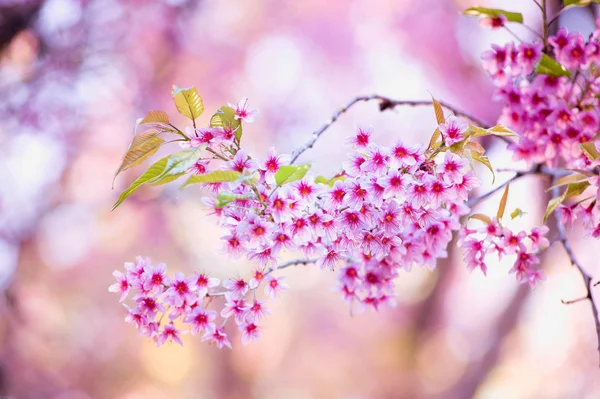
(500, 130)
(153, 171)
(290, 173)
(485, 161)
(155, 116)
(188, 102)
(494, 12)
(574, 178)
(548, 66)
(165, 179)
(502, 205)
(482, 218)
(142, 146)
(329, 182)
(573, 190)
(179, 163)
(225, 118)
(579, 3)
(216, 176)
(516, 213)
(225, 198)
(590, 150)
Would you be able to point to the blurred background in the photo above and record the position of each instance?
(74, 77)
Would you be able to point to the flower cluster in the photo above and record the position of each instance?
(552, 114)
(161, 301)
(388, 209)
(494, 238)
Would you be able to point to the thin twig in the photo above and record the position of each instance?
(384, 103)
(284, 265)
(545, 23)
(294, 262)
(587, 279)
(474, 201)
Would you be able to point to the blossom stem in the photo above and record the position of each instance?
(474, 201)
(216, 154)
(545, 23)
(384, 104)
(291, 263)
(587, 279)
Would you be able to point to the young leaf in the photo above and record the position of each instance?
(477, 131)
(290, 173)
(439, 111)
(494, 12)
(516, 213)
(188, 102)
(225, 118)
(502, 205)
(155, 116)
(179, 163)
(142, 146)
(216, 176)
(590, 150)
(500, 130)
(485, 161)
(225, 198)
(573, 190)
(475, 146)
(579, 3)
(552, 205)
(153, 171)
(435, 142)
(574, 178)
(165, 179)
(329, 182)
(481, 217)
(548, 66)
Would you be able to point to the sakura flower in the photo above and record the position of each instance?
(122, 285)
(250, 332)
(494, 22)
(256, 279)
(538, 239)
(453, 129)
(180, 290)
(236, 308)
(361, 139)
(242, 112)
(257, 311)
(218, 337)
(202, 320)
(529, 55)
(274, 286)
(169, 333)
(204, 283)
(271, 165)
(154, 277)
(237, 287)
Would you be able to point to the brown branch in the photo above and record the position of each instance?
(270, 270)
(384, 104)
(587, 279)
(535, 169)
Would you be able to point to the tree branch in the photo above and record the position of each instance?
(535, 169)
(270, 270)
(587, 279)
(384, 103)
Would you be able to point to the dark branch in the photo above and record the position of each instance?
(384, 104)
(587, 279)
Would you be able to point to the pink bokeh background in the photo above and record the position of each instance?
(74, 77)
